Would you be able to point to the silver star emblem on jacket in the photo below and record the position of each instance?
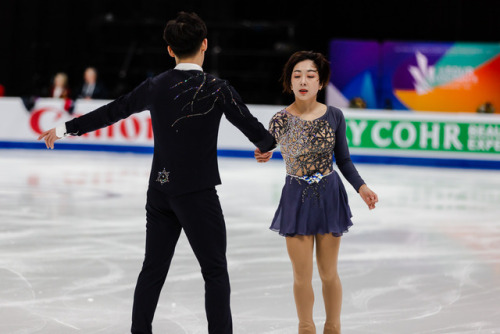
(163, 176)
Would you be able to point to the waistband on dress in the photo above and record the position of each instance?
(315, 178)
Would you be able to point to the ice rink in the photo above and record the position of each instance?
(72, 228)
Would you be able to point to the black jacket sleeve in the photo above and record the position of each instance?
(238, 114)
(133, 102)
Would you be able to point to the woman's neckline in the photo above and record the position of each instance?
(307, 120)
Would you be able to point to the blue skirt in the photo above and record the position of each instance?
(316, 208)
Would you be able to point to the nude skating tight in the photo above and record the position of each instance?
(300, 249)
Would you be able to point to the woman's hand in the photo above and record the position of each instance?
(50, 137)
(262, 157)
(368, 196)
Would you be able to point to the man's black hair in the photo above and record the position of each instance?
(185, 33)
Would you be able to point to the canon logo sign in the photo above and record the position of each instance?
(134, 128)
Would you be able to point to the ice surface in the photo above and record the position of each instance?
(72, 229)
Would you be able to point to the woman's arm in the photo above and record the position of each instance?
(347, 168)
(342, 155)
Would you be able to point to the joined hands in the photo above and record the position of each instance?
(262, 157)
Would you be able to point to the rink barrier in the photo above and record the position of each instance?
(366, 159)
(375, 137)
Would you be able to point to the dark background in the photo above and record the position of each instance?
(249, 41)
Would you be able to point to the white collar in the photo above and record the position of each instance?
(188, 67)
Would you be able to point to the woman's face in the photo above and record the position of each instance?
(305, 80)
(59, 80)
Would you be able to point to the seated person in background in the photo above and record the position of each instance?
(91, 88)
(60, 88)
(486, 108)
(357, 103)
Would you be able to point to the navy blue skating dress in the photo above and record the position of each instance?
(313, 200)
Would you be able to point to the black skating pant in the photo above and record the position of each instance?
(199, 214)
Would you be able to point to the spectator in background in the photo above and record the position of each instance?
(91, 88)
(388, 104)
(357, 103)
(60, 88)
(486, 108)
(2, 90)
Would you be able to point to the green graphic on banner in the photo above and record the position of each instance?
(438, 136)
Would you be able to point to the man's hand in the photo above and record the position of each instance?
(262, 157)
(50, 137)
(368, 196)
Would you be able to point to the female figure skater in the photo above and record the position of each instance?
(313, 206)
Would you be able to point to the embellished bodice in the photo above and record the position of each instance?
(306, 146)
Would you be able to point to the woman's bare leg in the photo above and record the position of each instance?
(327, 250)
(300, 249)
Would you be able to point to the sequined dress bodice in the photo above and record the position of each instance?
(307, 146)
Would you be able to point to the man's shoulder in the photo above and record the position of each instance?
(214, 77)
(166, 75)
(182, 75)
(215, 81)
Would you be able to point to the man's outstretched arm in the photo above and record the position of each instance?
(238, 114)
(133, 102)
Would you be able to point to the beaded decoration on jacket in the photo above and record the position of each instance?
(306, 146)
(205, 91)
(205, 95)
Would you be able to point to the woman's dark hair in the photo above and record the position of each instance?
(322, 65)
(185, 34)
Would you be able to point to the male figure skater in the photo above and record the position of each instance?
(186, 106)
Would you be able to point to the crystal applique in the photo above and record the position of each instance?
(163, 176)
(213, 89)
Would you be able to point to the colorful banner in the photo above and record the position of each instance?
(448, 77)
(441, 76)
(355, 73)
